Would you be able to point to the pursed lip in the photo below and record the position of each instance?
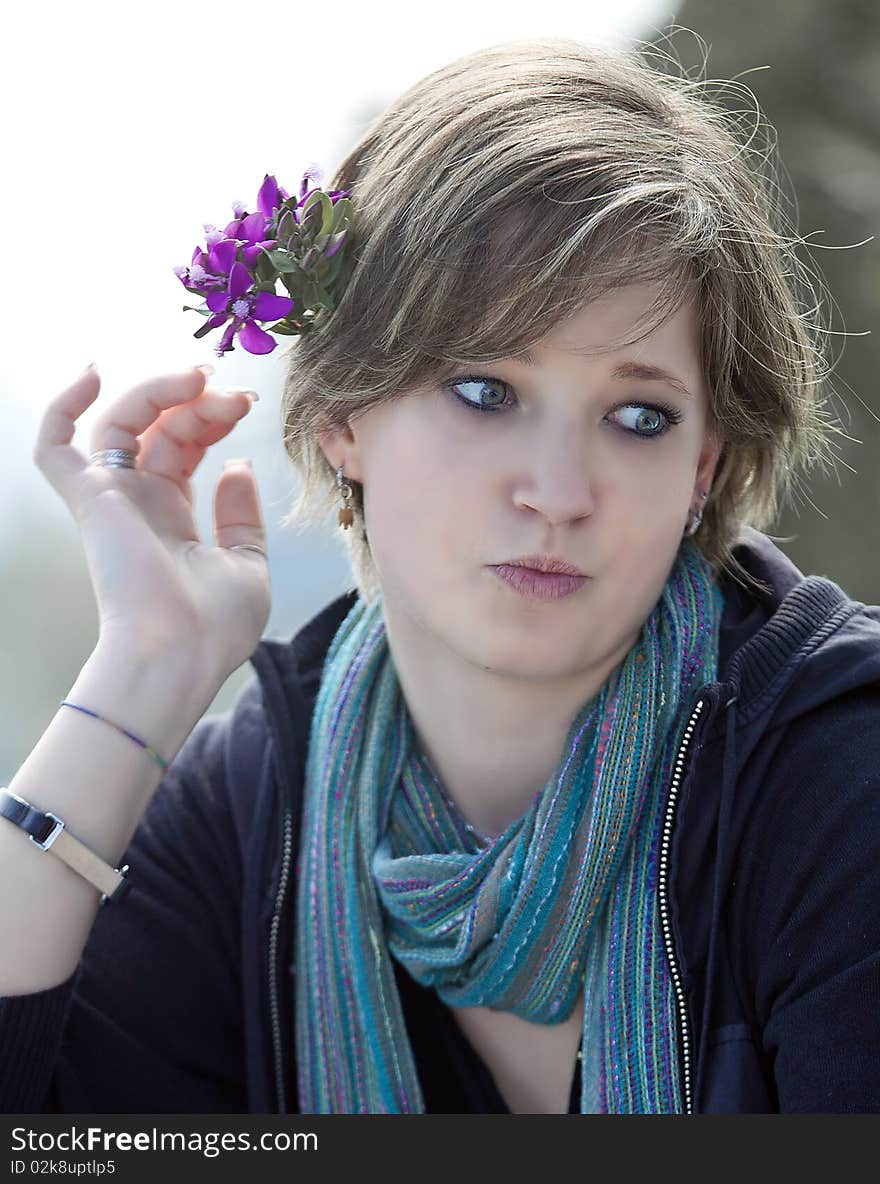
(550, 564)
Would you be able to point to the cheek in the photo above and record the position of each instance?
(657, 475)
(414, 494)
(650, 500)
(649, 526)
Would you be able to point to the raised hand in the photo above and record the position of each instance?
(157, 586)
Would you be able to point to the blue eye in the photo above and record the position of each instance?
(477, 380)
(671, 414)
(666, 411)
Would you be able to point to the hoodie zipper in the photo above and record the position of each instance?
(671, 803)
(277, 1051)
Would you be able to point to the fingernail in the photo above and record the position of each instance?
(206, 368)
(91, 366)
(252, 395)
(238, 460)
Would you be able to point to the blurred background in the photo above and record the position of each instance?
(127, 127)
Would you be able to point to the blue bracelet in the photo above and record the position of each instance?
(162, 764)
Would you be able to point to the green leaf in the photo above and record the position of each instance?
(282, 261)
(294, 286)
(204, 330)
(310, 261)
(283, 328)
(286, 226)
(307, 213)
(203, 312)
(266, 270)
(327, 219)
(334, 266)
(340, 213)
(318, 270)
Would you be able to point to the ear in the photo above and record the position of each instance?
(340, 447)
(709, 457)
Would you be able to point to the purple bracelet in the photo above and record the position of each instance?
(162, 764)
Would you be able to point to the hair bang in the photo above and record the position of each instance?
(505, 287)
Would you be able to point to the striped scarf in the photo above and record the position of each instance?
(562, 901)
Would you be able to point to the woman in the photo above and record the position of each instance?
(557, 810)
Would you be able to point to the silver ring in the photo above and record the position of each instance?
(114, 458)
(248, 547)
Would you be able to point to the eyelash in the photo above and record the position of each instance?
(672, 415)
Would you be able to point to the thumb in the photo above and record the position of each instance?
(237, 514)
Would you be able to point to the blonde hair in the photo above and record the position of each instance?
(506, 190)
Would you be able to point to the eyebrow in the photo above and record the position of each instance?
(645, 371)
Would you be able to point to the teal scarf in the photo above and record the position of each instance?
(563, 900)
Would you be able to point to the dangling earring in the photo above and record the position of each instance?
(694, 519)
(346, 514)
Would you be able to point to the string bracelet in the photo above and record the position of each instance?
(152, 752)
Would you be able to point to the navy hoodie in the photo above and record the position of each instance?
(768, 893)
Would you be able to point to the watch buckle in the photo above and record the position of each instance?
(53, 834)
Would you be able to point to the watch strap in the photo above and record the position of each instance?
(49, 833)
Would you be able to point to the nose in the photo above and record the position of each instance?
(558, 479)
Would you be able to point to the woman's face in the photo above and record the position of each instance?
(567, 459)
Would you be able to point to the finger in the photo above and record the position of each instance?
(174, 445)
(53, 453)
(129, 416)
(237, 514)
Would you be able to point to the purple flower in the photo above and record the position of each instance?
(241, 301)
(250, 229)
(209, 270)
(250, 232)
(234, 268)
(271, 196)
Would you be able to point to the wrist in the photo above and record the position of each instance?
(159, 696)
(184, 666)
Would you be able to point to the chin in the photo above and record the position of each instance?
(510, 651)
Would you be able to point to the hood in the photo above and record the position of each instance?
(804, 635)
(800, 643)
